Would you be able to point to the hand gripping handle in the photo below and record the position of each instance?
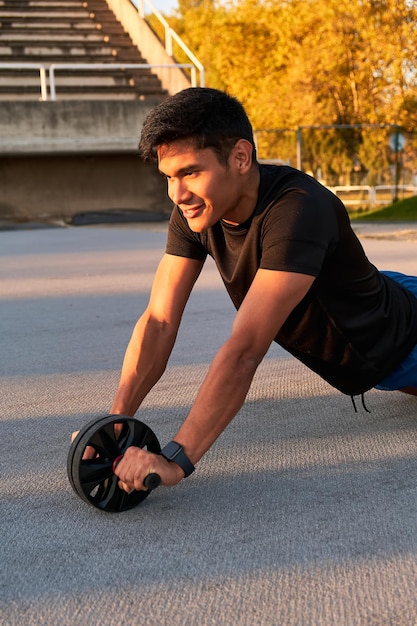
(152, 481)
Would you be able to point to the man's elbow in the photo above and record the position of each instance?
(152, 329)
(245, 356)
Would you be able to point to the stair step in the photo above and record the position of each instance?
(54, 5)
(22, 15)
(46, 3)
(82, 78)
(13, 11)
(70, 32)
(67, 38)
(64, 50)
(115, 92)
(73, 26)
(81, 95)
(48, 26)
(75, 59)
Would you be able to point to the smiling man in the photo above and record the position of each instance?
(207, 190)
(293, 267)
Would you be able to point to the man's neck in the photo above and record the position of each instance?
(249, 199)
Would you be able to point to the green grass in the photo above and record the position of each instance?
(401, 211)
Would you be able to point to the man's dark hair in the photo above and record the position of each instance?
(209, 118)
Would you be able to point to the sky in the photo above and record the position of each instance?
(165, 6)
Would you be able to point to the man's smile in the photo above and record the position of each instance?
(193, 212)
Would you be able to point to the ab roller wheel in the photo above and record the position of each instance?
(107, 439)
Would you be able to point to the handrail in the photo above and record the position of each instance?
(30, 66)
(371, 193)
(170, 34)
(53, 67)
(111, 66)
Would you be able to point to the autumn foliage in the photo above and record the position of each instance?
(308, 63)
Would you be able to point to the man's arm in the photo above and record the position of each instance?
(271, 298)
(155, 332)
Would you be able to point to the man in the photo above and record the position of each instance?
(292, 266)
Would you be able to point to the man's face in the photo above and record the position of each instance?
(204, 189)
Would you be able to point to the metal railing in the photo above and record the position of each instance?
(85, 67)
(366, 195)
(355, 195)
(31, 66)
(395, 192)
(170, 35)
(47, 73)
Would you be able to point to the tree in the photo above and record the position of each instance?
(311, 62)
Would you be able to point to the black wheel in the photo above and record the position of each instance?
(93, 479)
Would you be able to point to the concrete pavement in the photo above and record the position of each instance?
(303, 512)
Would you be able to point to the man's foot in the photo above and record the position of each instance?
(411, 390)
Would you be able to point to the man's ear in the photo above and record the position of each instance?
(242, 155)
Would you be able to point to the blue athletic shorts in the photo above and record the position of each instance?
(406, 374)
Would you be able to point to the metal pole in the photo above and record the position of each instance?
(141, 9)
(52, 92)
(44, 91)
(299, 147)
(397, 164)
(193, 77)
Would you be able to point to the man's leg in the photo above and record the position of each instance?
(407, 372)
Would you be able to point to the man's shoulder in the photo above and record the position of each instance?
(285, 176)
(298, 189)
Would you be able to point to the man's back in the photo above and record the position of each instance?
(355, 325)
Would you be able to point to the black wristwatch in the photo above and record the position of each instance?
(174, 452)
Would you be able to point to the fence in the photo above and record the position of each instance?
(367, 196)
(346, 155)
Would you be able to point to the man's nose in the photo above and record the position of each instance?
(178, 191)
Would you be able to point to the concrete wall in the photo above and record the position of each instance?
(44, 187)
(61, 158)
(68, 126)
(69, 156)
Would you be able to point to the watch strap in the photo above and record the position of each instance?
(173, 451)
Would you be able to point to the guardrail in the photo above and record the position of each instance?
(354, 195)
(394, 191)
(47, 73)
(31, 66)
(170, 35)
(112, 66)
(360, 195)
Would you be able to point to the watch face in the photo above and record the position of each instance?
(173, 452)
(171, 449)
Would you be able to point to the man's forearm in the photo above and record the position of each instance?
(221, 395)
(144, 363)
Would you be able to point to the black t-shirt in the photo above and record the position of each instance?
(355, 325)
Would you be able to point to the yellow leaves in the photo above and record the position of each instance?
(300, 62)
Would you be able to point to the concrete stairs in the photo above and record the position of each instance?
(70, 32)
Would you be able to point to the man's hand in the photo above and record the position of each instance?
(137, 463)
(89, 452)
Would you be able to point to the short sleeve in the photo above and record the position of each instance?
(297, 234)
